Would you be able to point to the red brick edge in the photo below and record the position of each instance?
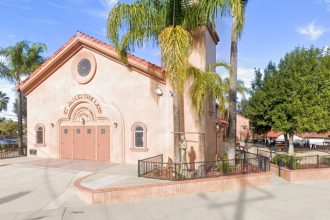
(312, 174)
(150, 191)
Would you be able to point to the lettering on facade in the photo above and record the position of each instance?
(84, 97)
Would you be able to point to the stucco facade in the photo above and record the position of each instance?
(114, 97)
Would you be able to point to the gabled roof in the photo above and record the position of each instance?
(76, 43)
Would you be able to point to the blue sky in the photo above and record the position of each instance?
(273, 27)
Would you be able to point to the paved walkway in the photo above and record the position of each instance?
(30, 190)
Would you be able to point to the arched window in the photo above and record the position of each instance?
(40, 135)
(139, 136)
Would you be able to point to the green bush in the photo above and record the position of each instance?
(226, 167)
(290, 162)
(325, 161)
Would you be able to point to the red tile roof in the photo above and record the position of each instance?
(273, 134)
(79, 36)
(315, 135)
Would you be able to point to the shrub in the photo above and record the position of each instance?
(290, 162)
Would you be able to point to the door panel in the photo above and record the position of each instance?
(78, 143)
(89, 143)
(66, 142)
(103, 143)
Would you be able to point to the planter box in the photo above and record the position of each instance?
(311, 174)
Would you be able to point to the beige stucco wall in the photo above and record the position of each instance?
(201, 132)
(125, 96)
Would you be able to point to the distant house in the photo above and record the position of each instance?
(242, 127)
(311, 138)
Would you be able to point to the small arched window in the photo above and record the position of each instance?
(139, 136)
(40, 134)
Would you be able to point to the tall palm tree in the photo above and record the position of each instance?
(236, 8)
(18, 61)
(167, 23)
(4, 99)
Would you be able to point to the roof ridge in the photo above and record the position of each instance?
(82, 35)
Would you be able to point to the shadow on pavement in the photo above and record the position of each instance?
(13, 197)
(241, 203)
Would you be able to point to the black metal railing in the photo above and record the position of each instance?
(11, 150)
(301, 162)
(243, 164)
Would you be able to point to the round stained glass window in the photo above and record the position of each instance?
(84, 67)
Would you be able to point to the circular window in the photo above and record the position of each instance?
(84, 67)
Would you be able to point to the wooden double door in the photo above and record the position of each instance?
(85, 142)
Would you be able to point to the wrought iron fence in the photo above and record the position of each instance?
(302, 162)
(249, 163)
(11, 150)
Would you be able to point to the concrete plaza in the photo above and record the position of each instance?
(42, 189)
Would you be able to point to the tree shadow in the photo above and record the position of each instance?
(13, 197)
(241, 202)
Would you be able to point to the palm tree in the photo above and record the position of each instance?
(4, 99)
(236, 8)
(18, 61)
(167, 23)
(207, 85)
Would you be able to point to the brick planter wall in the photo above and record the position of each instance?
(302, 174)
(217, 184)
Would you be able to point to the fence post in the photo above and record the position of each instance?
(279, 167)
(175, 171)
(223, 166)
(318, 161)
(139, 175)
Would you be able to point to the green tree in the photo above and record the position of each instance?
(20, 60)
(4, 99)
(8, 127)
(236, 8)
(295, 96)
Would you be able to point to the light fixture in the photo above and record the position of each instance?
(159, 91)
(115, 124)
(52, 125)
(83, 121)
(217, 126)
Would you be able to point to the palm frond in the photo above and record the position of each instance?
(143, 21)
(206, 85)
(175, 49)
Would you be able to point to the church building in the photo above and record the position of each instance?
(84, 103)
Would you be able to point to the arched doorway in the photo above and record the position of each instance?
(83, 135)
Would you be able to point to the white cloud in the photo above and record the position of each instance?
(107, 5)
(8, 88)
(246, 75)
(326, 4)
(312, 31)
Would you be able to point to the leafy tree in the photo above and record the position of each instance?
(4, 99)
(236, 8)
(8, 128)
(295, 96)
(20, 60)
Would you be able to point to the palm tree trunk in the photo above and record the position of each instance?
(233, 90)
(20, 122)
(178, 122)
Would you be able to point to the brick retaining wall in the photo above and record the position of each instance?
(150, 191)
(302, 174)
